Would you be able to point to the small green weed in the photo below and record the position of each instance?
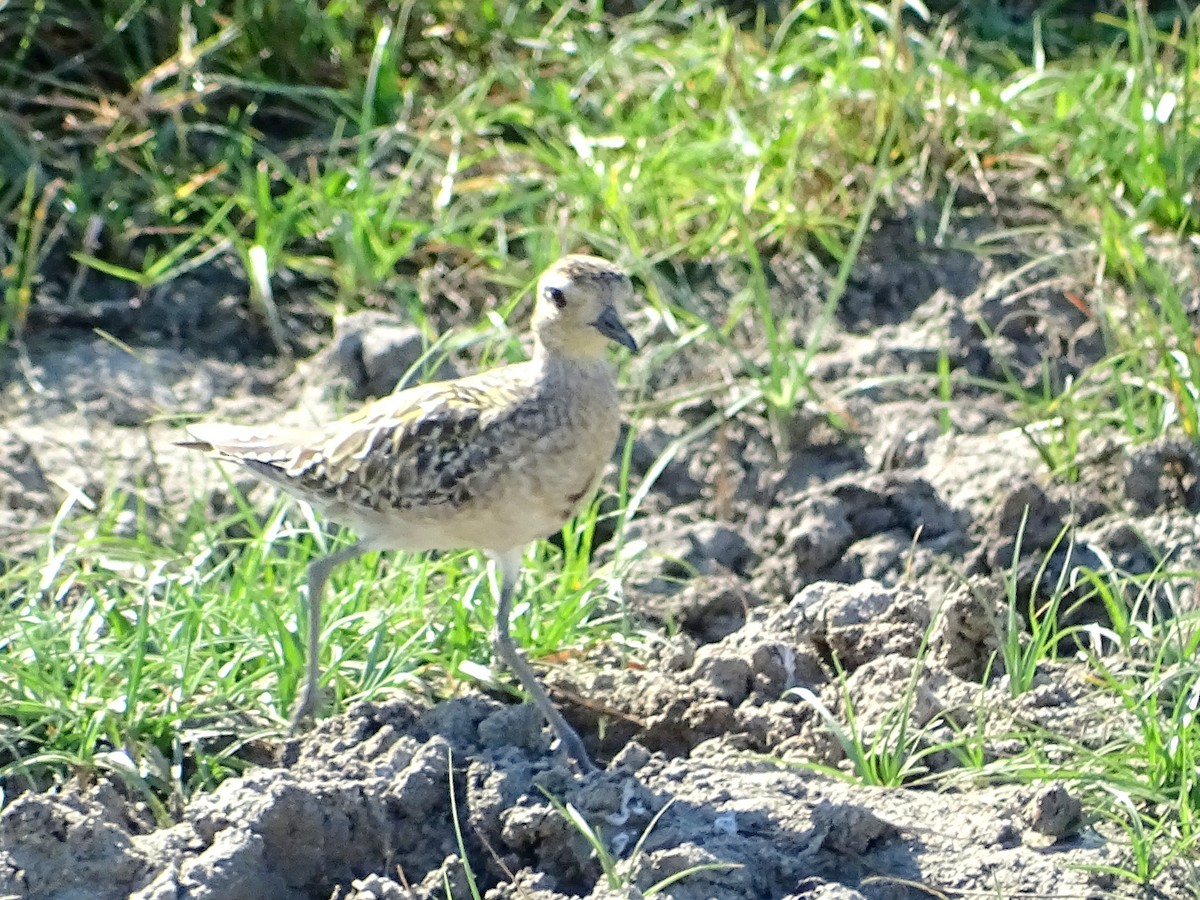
(618, 873)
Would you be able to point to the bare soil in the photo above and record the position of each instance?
(880, 547)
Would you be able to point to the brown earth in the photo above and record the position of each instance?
(857, 548)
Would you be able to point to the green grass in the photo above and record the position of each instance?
(586, 116)
(340, 143)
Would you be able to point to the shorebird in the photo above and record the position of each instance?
(492, 461)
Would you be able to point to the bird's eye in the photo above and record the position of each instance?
(556, 296)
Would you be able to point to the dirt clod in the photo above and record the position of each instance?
(1054, 811)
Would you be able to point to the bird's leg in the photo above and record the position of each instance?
(508, 567)
(318, 574)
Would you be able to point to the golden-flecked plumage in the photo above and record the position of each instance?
(491, 461)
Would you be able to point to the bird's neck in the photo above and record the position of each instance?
(562, 358)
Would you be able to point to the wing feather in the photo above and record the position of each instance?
(423, 447)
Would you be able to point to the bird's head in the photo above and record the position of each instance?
(577, 309)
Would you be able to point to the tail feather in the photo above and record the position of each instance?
(238, 442)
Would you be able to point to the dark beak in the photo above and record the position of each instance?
(609, 325)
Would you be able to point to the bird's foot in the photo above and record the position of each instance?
(306, 704)
(572, 744)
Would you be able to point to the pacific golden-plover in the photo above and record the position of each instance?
(492, 461)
